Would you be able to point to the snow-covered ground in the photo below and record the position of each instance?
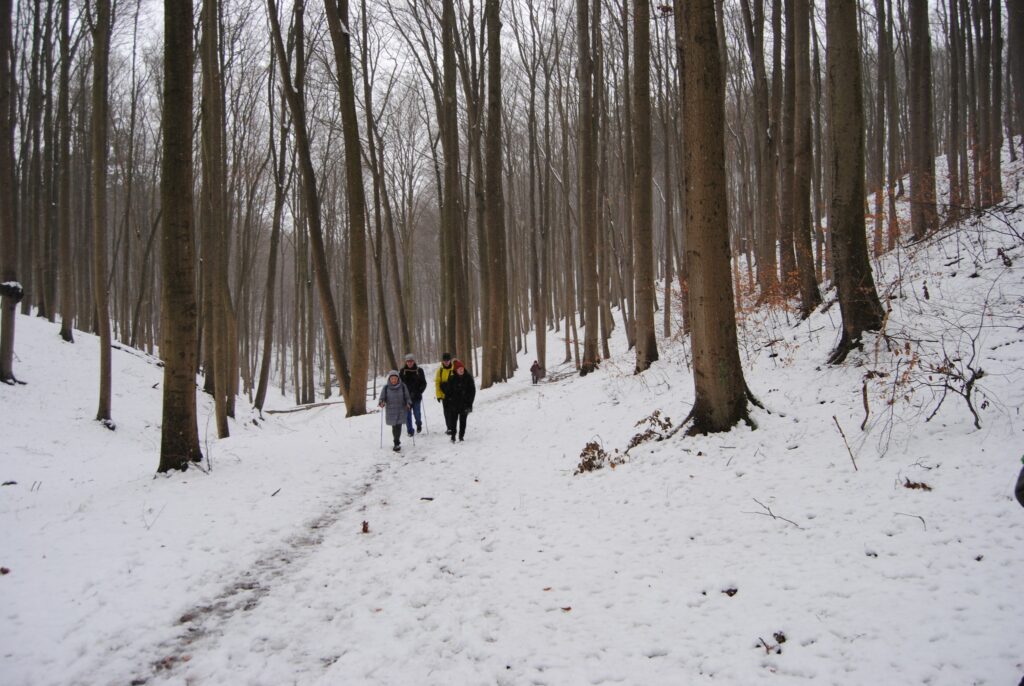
(753, 557)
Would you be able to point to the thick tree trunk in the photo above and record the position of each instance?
(720, 390)
(858, 299)
(179, 432)
(340, 29)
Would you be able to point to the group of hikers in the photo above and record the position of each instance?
(402, 397)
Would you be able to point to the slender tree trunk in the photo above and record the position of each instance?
(66, 270)
(296, 104)
(923, 214)
(588, 188)
(787, 261)
(179, 321)
(213, 215)
(858, 299)
(995, 126)
(1015, 36)
(810, 297)
(101, 54)
(643, 238)
(11, 290)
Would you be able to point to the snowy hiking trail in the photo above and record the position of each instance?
(688, 564)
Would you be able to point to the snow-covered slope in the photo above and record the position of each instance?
(757, 556)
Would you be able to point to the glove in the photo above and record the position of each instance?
(468, 410)
(381, 405)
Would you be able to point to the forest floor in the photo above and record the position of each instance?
(864, 533)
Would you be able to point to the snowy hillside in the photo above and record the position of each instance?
(864, 533)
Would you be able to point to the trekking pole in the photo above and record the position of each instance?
(382, 429)
(423, 411)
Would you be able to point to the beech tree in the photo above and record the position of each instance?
(721, 395)
(858, 299)
(179, 444)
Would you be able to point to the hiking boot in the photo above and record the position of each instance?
(453, 437)
(397, 447)
(410, 433)
(419, 428)
(462, 438)
(449, 432)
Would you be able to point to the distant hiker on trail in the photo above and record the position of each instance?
(1019, 491)
(396, 401)
(535, 371)
(416, 381)
(443, 372)
(459, 392)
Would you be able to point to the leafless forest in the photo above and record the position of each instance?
(293, 195)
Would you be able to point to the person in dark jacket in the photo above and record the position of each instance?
(459, 393)
(416, 381)
(395, 401)
(535, 371)
(1019, 492)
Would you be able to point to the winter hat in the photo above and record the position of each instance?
(446, 356)
(410, 358)
(394, 373)
(457, 365)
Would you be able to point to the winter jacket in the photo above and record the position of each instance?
(395, 400)
(415, 380)
(1019, 492)
(441, 377)
(460, 390)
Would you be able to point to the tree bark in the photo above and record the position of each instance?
(643, 239)
(720, 390)
(923, 215)
(101, 55)
(340, 28)
(810, 297)
(179, 443)
(858, 299)
(10, 289)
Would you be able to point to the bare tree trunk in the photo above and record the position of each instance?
(787, 260)
(213, 197)
(179, 432)
(995, 128)
(588, 189)
(101, 55)
(340, 28)
(66, 269)
(296, 104)
(810, 297)
(643, 238)
(720, 390)
(497, 309)
(952, 156)
(858, 299)
(1015, 35)
(280, 190)
(923, 215)
(10, 289)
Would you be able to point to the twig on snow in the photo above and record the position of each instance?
(841, 433)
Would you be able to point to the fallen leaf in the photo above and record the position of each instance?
(548, 588)
(366, 527)
(566, 609)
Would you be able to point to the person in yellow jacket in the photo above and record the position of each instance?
(443, 372)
